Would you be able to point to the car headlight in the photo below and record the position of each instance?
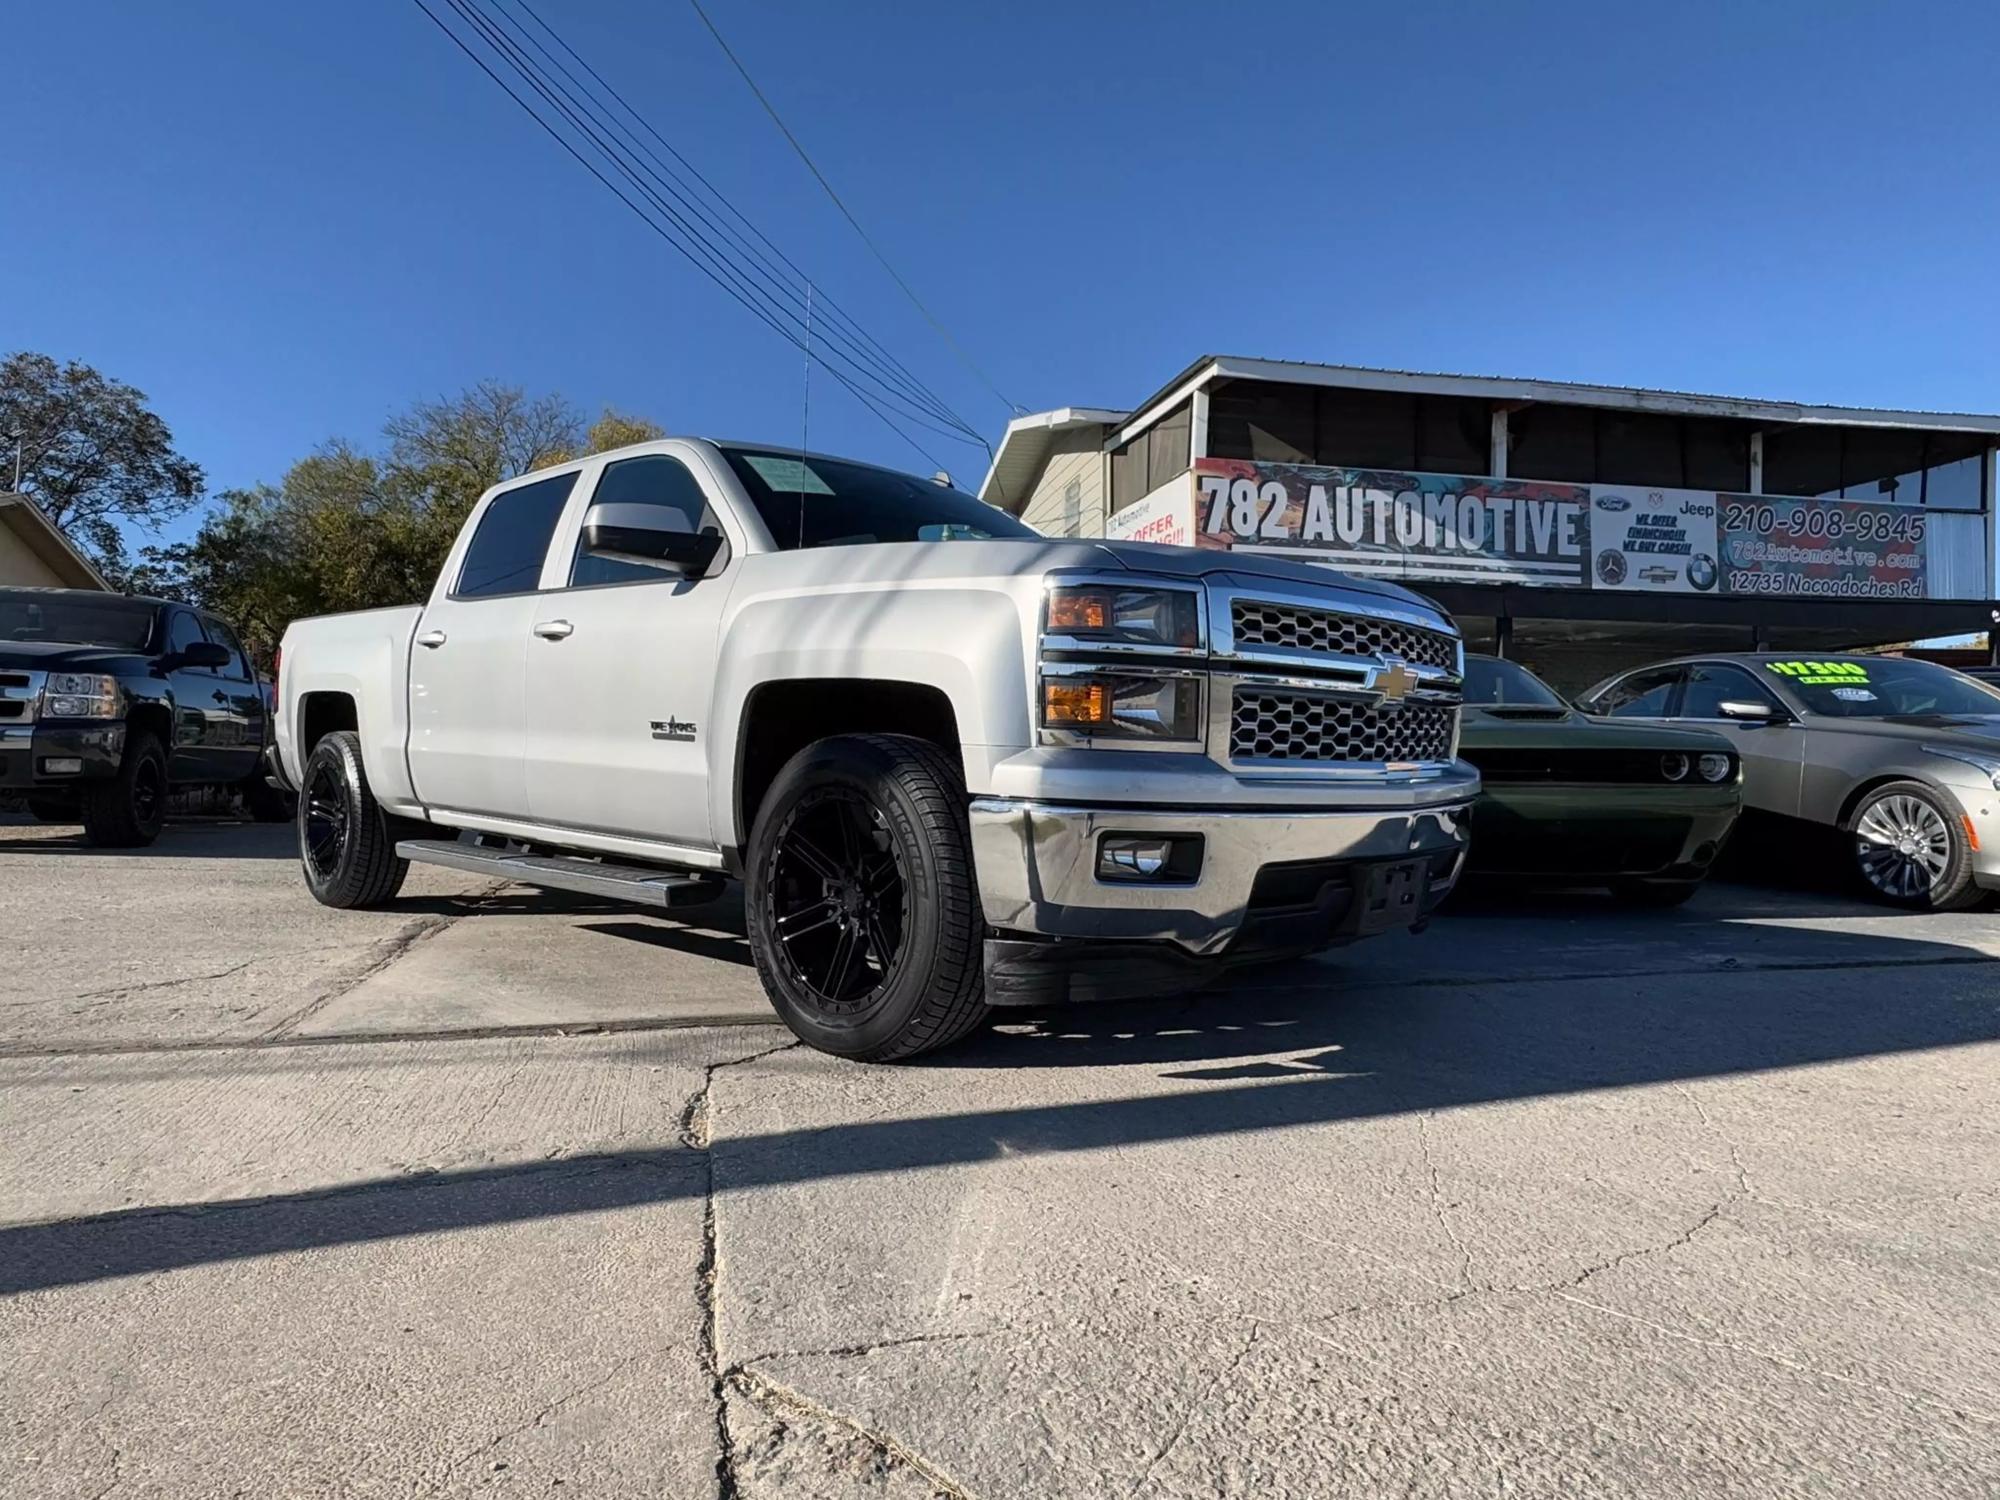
(1990, 764)
(1089, 703)
(1713, 767)
(1674, 766)
(1115, 616)
(82, 695)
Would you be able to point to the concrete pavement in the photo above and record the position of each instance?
(1551, 1200)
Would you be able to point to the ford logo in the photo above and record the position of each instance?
(1613, 502)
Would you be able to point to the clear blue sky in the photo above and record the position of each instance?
(286, 221)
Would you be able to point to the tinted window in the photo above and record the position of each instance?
(79, 622)
(183, 631)
(506, 553)
(1710, 687)
(825, 502)
(239, 666)
(653, 480)
(1493, 683)
(1643, 695)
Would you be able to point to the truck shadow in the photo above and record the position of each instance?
(189, 838)
(1283, 1058)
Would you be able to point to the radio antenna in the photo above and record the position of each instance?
(805, 415)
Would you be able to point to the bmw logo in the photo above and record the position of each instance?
(1701, 571)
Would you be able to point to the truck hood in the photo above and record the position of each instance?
(67, 656)
(1203, 562)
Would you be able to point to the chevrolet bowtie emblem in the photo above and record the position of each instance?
(1394, 682)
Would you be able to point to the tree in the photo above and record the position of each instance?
(346, 529)
(94, 457)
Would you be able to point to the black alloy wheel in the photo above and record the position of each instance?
(840, 899)
(864, 916)
(347, 844)
(324, 818)
(127, 811)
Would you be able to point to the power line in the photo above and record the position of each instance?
(846, 213)
(718, 265)
(826, 304)
(689, 242)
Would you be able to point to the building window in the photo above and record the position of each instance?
(1152, 458)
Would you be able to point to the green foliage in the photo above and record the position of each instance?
(346, 529)
(93, 456)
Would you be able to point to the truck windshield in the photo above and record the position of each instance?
(1882, 687)
(1492, 683)
(110, 621)
(822, 502)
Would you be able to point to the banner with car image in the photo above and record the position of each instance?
(1454, 528)
(1443, 528)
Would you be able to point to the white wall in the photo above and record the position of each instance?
(1077, 458)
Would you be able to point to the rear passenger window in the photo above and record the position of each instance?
(653, 479)
(505, 556)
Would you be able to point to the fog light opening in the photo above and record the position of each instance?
(62, 765)
(1149, 859)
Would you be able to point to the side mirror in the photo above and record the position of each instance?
(200, 654)
(650, 535)
(1746, 710)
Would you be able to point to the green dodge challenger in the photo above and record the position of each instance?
(1572, 800)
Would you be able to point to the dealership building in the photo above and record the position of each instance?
(1578, 528)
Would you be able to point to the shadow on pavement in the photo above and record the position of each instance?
(189, 838)
(1375, 1053)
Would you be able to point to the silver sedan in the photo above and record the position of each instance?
(1902, 756)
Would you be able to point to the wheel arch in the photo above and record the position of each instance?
(781, 718)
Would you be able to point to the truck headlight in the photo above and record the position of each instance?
(1113, 615)
(1093, 704)
(82, 695)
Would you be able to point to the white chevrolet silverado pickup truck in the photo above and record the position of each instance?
(956, 764)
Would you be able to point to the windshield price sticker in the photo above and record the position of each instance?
(1853, 695)
(1822, 673)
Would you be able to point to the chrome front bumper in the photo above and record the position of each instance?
(1037, 864)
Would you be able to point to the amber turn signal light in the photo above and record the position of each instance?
(1076, 609)
(1075, 704)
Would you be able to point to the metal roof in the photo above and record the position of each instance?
(1573, 393)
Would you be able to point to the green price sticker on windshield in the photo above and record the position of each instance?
(1821, 673)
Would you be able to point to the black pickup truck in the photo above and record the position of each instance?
(109, 703)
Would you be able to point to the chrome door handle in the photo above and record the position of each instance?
(431, 638)
(553, 630)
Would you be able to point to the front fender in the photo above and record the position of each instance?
(965, 641)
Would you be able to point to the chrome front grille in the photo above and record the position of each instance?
(1256, 622)
(1277, 724)
(20, 693)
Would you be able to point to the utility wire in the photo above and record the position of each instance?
(574, 112)
(756, 310)
(846, 213)
(824, 304)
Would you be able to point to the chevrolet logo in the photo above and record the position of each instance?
(1394, 681)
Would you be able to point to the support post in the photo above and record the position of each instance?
(1756, 463)
(1503, 635)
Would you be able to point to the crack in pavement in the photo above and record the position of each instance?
(856, 1351)
(771, 1397)
(1200, 1403)
(695, 1135)
(575, 1393)
(1438, 1203)
(397, 945)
